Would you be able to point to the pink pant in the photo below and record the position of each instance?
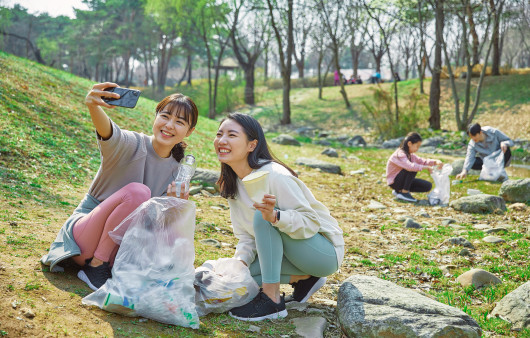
(91, 233)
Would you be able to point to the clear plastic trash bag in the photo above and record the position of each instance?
(153, 271)
(493, 167)
(223, 284)
(442, 186)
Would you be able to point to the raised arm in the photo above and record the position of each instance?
(94, 102)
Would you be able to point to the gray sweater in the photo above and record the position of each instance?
(493, 138)
(126, 157)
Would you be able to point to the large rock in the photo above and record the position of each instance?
(516, 190)
(286, 140)
(457, 168)
(393, 143)
(515, 307)
(434, 141)
(371, 307)
(479, 204)
(206, 177)
(310, 327)
(316, 164)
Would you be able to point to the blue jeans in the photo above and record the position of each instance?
(280, 256)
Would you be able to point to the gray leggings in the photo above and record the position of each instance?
(280, 256)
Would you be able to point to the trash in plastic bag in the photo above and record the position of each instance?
(153, 271)
(493, 167)
(222, 285)
(442, 187)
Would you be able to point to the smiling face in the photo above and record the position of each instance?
(169, 128)
(413, 147)
(232, 145)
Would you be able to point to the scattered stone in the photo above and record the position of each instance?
(448, 221)
(206, 177)
(206, 193)
(480, 204)
(211, 242)
(195, 189)
(399, 210)
(316, 164)
(516, 190)
(310, 327)
(356, 141)
(296, 306)
(518, 207)
(375, 205)
(423, 213)
(495, 230)
(306, 131)
(457, 168)
(393, 143)
(371, 307)
(330, 152)
(211, 190)
(325, 143)
(461, 241)
(28, 313)
(493, 239)
(254, 328)
(464, 252)
(423, 203)
(447, 268)
(142, 320)
(481, 226)
(13, 224)
(434, 141)
(514, 307)
(412, 224)
(357, 172)
(285, 139)
(14, 304)
(457, 227)
(427, 150)
(478, 278)
(354, 158)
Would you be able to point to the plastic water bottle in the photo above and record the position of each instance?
(185, 173)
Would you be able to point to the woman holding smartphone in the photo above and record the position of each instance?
(288, 238)
(134, 167)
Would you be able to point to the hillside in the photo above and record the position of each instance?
(48, 156)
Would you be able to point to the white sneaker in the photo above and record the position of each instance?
(395, 193)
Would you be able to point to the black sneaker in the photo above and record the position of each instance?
(95, 277)
(305, 288)
(406, 196)
(261, 307)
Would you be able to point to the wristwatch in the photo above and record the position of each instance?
(277, 216)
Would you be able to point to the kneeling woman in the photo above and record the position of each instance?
(403, 165)
(288, 238)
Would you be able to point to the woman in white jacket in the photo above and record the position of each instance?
(288, 238)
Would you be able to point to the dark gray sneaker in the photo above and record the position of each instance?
(305, 288)
(260, 308)
(406, 196)
(95, 277)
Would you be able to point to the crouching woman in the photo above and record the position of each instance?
(288, 238)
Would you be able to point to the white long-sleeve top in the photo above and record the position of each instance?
(302, 216)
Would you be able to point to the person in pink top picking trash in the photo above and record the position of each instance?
(403, 165)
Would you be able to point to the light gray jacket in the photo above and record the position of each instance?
(493, 138)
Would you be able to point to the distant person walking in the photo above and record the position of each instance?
(484, 141)
(403, 165)
(336, 77)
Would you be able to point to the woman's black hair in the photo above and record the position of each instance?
(473, 129)
(176, 104)
(412, 137)
(259, 157)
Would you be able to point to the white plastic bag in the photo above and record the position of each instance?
(493, 167)
(222, 285)
(153, 271)
(442, 187)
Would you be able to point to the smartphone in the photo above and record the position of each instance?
(128, 97)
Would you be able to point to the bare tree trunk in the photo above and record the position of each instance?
(434, 96)
(496, 58)
(474, 35)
